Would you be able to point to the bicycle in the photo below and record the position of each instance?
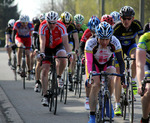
(52, 84)
(103, 96)
(127, 97)
(78, 76)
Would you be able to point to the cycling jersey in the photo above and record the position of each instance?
(81, 31)
(144, 44)
(86, 35)
(127, 37)
(70, 30)
(24, 32)
(147, 27)
(94, 53)
(8, 31)
(36, 36)
(53, 37)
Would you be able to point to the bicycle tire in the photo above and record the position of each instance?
(125, 105)
(24, 72)
(15, 67)
(53, 96)
(130, 104)
(99, 116)
(66, 86)
(80, 81)
(108, 97)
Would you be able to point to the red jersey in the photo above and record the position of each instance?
(86, 35)
(53, 37)
(23, 32)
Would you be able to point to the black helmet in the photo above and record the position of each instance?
(127, 11)
(35, 20)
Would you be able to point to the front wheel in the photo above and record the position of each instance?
(131, 104)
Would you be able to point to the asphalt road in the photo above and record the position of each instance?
(24, 106)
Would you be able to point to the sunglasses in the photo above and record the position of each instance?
(52, 22)
(67, 23)
(126, 18)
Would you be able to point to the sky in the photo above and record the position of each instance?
(29, 7)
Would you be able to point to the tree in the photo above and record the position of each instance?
(7, 12)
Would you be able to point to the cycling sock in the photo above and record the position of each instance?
(92, 113)
(58, 76)
(117, 104)
(133, 79)
(144, 120)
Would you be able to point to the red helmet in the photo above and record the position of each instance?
(108, 19)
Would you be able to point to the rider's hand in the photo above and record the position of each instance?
(40, 56)
(70, 56)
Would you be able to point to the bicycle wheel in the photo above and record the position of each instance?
(100, 112)
(80, 80)
(53, 97)
(14, 67)
(125, 103)
(108, 98)
(130, 103)
(23, 73)
(77, 78)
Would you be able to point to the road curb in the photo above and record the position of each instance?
(7, 109)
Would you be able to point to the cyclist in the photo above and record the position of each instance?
(53, 41)
(116, 16)
(8, 38)
(22, 37)
(147, 27)
(78, 21)
(42, 17)
(143, 64)
(93, 22)
(67, 18)
(36, 43)
(99, 54)
(126, 31)
(108, 19)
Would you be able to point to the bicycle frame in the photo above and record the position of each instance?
(104, 95)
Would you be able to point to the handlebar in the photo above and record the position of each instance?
(103, 73)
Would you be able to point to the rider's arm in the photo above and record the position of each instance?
(76, 40)
(13, 35)
(7, 37)
(65, 43)
(119, 56)
(42, 43)
(82, 45)
(140, 63)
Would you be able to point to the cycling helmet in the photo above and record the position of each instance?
(11, 23)
(93, 22)
(104, 30)
(42, 17)
(108, 19)
(51, 16)
(78, 18)
(116, 16)
(35, 20)
(66, 17)
(127, 11)
(24, 18)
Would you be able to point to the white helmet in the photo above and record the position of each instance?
(24, 18)
(11, 22)
(51, 16)
(42, 17)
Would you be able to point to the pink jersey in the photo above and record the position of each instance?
(56, 34)
(86, 35)
(24, 32)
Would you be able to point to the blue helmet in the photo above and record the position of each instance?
(93, 22)
(104, 30)
(116, 16)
